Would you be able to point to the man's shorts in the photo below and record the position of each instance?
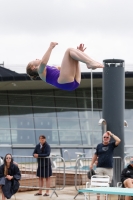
(105, 171)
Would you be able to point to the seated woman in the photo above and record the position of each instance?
(9, 177)
(68, 76)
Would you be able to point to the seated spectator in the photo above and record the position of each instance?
(9, 177)
(127, 177)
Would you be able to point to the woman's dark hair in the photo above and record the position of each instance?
(6, 156)
(5, 166)
(44, 137)
(33, 74)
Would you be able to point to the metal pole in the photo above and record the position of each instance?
(114, 100)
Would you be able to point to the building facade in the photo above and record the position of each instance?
(67, 119)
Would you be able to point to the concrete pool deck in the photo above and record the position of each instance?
(65, 194)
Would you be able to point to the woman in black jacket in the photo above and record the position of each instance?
(9, 176)
(44, 170)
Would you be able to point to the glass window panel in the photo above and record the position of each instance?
(71, 154)
(20, 92)
(23, 137)
(86, 93)
(129, 95)
(129, 89)
(99, 93)
(100, 112)
(45, 123)
(88, 114)
(22, 122)
(55, 152)
(128, 104)
(43, 101)
(4, 122)
(18, 110)
(68, 113)
(70, 137)
(89, 124)
(5, 136)
(19, 100)
(5, 150)
(66, 102)
(128, 114)
(14, 136)
(89, 152)
(85, 113)
(55, 137)
(51, 136)
(3, 100)
(83, 103)
(81, 93)
(42, 92)
(86, 138)
(3, 105)
(68, 124)
(23, 152)
(3, 92)
(128, 151)
(96, 114)
(86, 103)
(3, 110)
(22, 156)
(64, 93)
(128, 137)
(45, 112)
(91, 138)
(98, 103)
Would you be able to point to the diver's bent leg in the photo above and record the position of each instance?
(82, 57)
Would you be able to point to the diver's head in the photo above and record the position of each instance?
(32, 69)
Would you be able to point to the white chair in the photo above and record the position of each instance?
(99, 181)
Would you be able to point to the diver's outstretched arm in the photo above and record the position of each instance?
(46, 57)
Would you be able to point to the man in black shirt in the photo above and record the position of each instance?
(104, 154)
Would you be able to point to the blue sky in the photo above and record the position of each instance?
(27, 27)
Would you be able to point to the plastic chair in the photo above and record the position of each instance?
(99, 181)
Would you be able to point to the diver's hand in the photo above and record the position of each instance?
(53, 44)
(81, 47)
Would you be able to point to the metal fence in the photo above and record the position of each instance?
(81, 169)
(29, 167)
(62, 172)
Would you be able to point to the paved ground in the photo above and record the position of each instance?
(67, 193)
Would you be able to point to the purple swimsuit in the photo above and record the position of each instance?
(52, 76)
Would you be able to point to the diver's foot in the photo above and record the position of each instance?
(94, 65)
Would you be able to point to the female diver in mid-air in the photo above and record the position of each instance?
(68, 76)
